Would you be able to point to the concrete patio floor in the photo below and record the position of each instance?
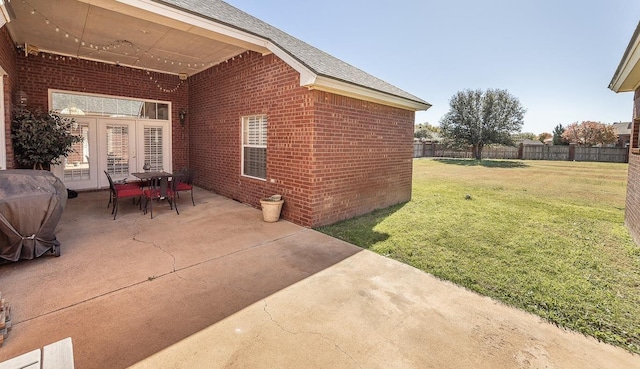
(216, 287)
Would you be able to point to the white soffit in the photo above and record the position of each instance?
(348, 89)
(184, 21)
(627, 77)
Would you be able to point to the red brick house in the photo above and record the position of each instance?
(201, 84)
(627, 79)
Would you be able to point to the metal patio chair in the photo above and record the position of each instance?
(159, 189)
(185, 182)
(120, 191)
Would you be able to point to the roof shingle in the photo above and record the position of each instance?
(318, 61)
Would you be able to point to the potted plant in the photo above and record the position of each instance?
(41, 139)
(271, 207)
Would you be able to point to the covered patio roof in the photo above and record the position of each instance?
(182, 37)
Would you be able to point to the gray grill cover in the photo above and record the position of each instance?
(31, 205)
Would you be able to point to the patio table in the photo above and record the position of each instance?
(160, 190)
(145, 176)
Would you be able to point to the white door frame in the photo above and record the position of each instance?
(93, 142)
(102, 149)
(97, 140)
(167, 159)
(98, 150)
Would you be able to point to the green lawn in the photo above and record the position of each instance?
(547, 237)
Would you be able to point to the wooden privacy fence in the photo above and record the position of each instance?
(526, 152)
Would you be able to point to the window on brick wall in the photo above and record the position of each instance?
(254, 146)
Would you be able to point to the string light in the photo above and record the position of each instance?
(112, 47)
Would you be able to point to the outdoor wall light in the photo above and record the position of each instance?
(182, 115)
(22, 98)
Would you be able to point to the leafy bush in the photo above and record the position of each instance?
(41, 139)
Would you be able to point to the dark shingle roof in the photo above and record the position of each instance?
(316, 60)
(622, 128)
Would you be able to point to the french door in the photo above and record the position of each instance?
(79, 170)
(118, 146)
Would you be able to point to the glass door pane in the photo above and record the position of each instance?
(117, 148)
(79, 170)
(76, 166)
(153, 147)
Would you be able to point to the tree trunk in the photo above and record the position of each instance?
(477, 151)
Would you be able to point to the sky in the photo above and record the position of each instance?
(556, 56)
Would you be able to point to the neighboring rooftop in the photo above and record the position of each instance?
(622, 128)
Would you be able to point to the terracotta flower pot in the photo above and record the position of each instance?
(271, 209)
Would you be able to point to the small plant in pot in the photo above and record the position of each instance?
(271, 207)
(41, 139)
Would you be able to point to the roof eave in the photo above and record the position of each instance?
(626, 77)
(327, 84)
(308, 77)
(186, 20)
(313, 81)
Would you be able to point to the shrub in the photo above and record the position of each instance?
(41, 139)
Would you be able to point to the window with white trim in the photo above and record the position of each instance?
(71, 103)
(254, 146)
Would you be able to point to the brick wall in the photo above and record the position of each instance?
(37, 74)
(363, 156)
(331, 157)
(632, 208)
(8, 64)
(251, 84)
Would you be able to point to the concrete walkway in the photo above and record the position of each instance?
(215, 287)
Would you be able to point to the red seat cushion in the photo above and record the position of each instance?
(183, 187)
(129, 192)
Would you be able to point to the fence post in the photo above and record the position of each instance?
(626, 155)
(520, 151)
(572, 152)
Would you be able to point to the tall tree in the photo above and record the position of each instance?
(521, 136)
(590, 133)
(544, 136)
(428, 127)
(478, 118)
(557, 135)
(422, 134)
